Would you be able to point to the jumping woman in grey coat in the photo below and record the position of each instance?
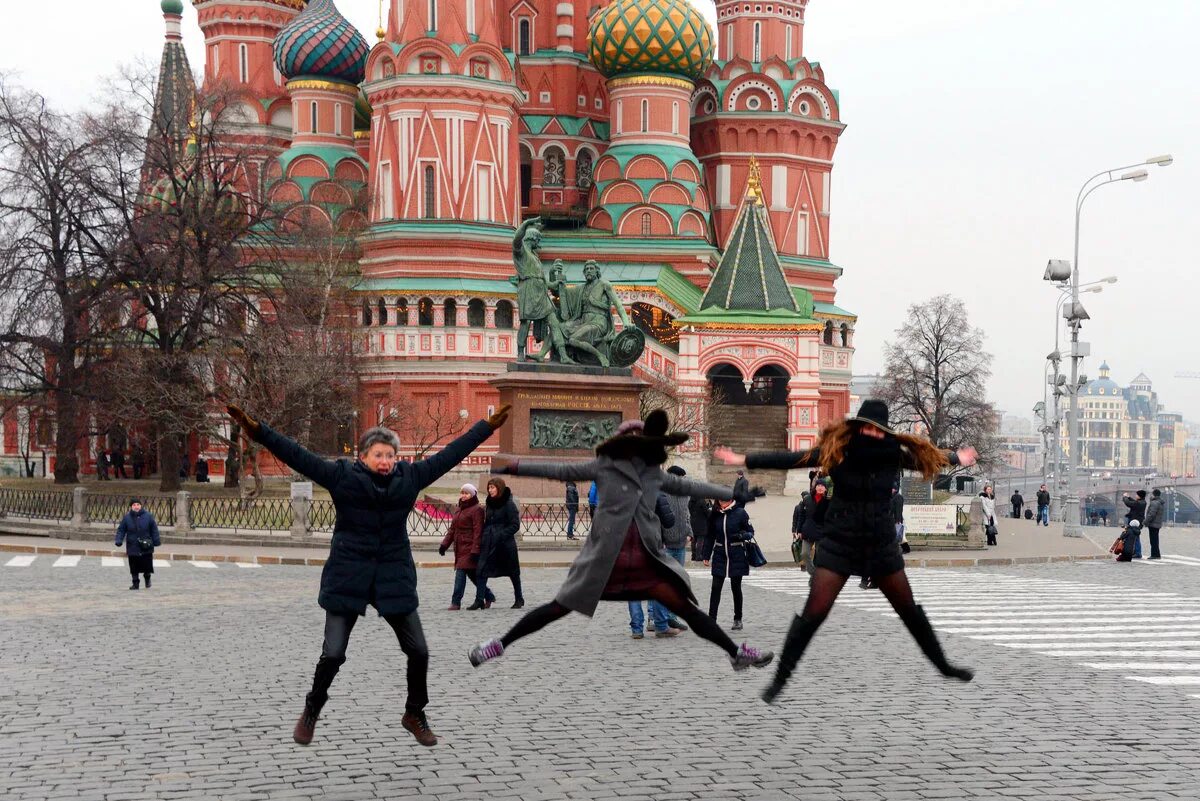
(623, 559)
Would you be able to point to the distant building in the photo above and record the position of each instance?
(863, 387)
(1176, 456)
(1119, 426)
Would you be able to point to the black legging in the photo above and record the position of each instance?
(714, 596)
(667, 594)
(333, 656)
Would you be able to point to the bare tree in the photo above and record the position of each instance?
(57, 305)
(935, 378)
(421, 423)
(702, 418)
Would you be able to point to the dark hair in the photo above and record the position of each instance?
(498, 483)
(1156, 493)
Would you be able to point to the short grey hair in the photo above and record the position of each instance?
(378, 436)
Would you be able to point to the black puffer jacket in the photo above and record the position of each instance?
(498, 552)
(860, 511)
(725, 544)
(370, 557)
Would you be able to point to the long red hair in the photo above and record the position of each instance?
(929, 459)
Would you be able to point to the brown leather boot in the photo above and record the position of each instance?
(306, 726)
(416, 723)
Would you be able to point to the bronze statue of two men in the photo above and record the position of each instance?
(580, 328)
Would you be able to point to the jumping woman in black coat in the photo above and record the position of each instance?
(370, 558)
(863, 456)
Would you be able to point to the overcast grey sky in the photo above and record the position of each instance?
(972, 124)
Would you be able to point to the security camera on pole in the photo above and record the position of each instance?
(1066, 275)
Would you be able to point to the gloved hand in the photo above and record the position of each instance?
(442, 551)
(500, 417)
(749, 496)
(248, 423)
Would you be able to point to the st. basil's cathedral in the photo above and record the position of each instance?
(694, 165)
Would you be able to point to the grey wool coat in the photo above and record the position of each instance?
(628, 490)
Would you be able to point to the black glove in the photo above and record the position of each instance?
(442, 550)
(749, 495)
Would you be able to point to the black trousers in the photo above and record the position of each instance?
(714, 597)
(333, 656)
(1154, 552)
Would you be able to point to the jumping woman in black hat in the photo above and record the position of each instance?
(623, 558)
(862, 456)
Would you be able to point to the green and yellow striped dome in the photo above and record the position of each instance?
(631, 37)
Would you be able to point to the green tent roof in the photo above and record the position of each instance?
(749, 277)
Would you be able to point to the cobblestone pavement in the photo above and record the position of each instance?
(190, 690)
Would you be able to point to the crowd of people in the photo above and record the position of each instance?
(643, 521)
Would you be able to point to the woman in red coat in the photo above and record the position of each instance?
(464, 535)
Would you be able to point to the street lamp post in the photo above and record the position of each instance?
(1071, 518)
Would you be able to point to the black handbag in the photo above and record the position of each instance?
(146, 545)
(754, 554)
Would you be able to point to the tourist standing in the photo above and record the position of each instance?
(593, 500)
(1155, 512)
(741, 484)
(812, 529)
(102, 466)
(698, 512)
(201, 470)
(498, 552)
(1018, 503)
(1043, 506)
(863, 456)
(623, 559)
(797, 528)
(1133, 534)
(465, 535)
(725, 552)
(138, 461)
(118, 463)
(138, 530)
(987, 499)
(370, 557)
(572, 501)
(659, 616)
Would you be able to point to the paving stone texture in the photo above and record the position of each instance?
(1085, 690)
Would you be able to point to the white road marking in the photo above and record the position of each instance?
(1179, 681)
(162, 563)
(1142, 665)
(203, 563)
(66, 561)
(20, 561)
(113, 561)
(247, 564)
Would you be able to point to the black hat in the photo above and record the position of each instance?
(1141, 493)
(676, 470)
(1156, 493)
(646, 438)
(874, 412)
(741, 472)
(132, 501)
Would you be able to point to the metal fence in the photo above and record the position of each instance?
(259, 514)
(36, 504)
(111, 508)
(321, 515)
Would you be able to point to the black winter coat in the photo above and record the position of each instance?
(501, 522)
(1043, 498)
(813, 528)
(860, 511)
(370, 557)
(136, 526)
(798, 517)
(698, 511)
(725, 544)
(1137, 509)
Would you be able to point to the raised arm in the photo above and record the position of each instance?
(559, 471)
(695, 489)
(427, 471)
(287, 450)
(783, 460)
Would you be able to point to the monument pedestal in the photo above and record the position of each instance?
(561, 412)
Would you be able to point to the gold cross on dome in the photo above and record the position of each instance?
(754, 182)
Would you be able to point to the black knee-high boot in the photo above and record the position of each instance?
(922, 631)
(801, 631)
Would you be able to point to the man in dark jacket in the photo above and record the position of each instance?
(572, 501)
(797, 529)
(1017, 503)
(741, 485)
(138, 460)
(1153, 521)
(1043, 506)
(698, 512)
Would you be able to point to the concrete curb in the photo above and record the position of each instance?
(273, 559)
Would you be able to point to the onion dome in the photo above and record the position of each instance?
(172, 6)
(632, 37)
(320, 43)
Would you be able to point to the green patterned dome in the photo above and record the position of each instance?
(631, 37)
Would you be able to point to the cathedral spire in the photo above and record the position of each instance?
(175, 94)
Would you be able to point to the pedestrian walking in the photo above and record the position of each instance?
(623, 558)
(1133, 534)
(138, 530)
(1018, 503)
(102, 466)
(498, 550)
(725, 552)
(370, 557)
(660, 618)
(118, 463)
(813, 527)
(676, 537)
(593, 500)
(572, 501)
(741, 485)
(465, 536)
(987, 499)
(698, 511)
(1155, 512)
(797, 528)
(897, 509)
(863, 456)
(138, 461)
(1043, 506)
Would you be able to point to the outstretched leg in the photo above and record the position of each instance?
(673, 598)
(898, 591)
(534, 620)
(823, 591)
(333, 656)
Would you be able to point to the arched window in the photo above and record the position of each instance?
(476, 314)
(381, 309)
(313, 108)
(524, 36)
(645, 116)
(471, 17)
(645, 223)
(424, 311)
(504, 314)
(433, 20)
(757, 42)
(526, 175)
(787, 43)
(620, 115)
(583, 169)
(675, 117)
(366, 313)
(243, 63)
(827, 336)
(430, 192)
(402, 311)
(450, 313)
(554, 167)
(845, 335)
